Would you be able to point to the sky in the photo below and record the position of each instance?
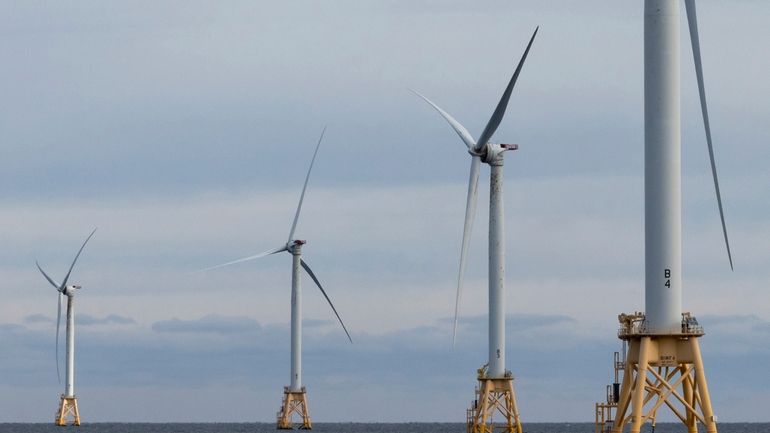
(182, 130)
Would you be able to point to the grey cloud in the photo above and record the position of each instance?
(110, 319)
(38, 318)
(517, 322)
(209, 324)
(407, 360)
(746, 327)
(82, 320)
(316, 323)
(10, 327)
(727, 319)
(240, 100)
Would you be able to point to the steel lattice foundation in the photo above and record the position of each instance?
(68, 408)
(294, 403)
(494, 397)
(663, 370)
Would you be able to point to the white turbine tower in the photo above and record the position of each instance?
(68, 405)
(495, 391)
(664, 352)
(295, 399)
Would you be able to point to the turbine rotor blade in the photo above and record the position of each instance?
(470, 215)
(459, 129)
(692, 21)
(497, 116)
(50, 280)
(67, 277)
(58, 322)
(318, 283)
(245, 259)
(304, 187)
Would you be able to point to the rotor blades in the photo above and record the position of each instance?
(304, 187)
(692, 20)
(470, 215)
(312, 275)
(460, 129)
(497, 116)
(50, 280)
(67, 277)
(58, 322)
(245, 259)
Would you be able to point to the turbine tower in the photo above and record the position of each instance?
(664, 353)
(495, 392)
(68, 403)
(295, 395)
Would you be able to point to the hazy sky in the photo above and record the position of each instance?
(183, 131)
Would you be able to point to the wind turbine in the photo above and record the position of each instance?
(664, 351)
(295, 399)
(68, 404)
(495, 382)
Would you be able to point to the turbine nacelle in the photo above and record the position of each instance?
(492, 153)
(295, 245)
(70, 290)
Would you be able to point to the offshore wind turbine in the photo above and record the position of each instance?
(495, 392)
(664, 352)
(68, 404)
(295, 395)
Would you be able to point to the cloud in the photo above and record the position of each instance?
(82, 320)
(209, 324)
(393, 365)
(38, 318)
(110, 319)
(317, 323)
(729, 319)
(517, 321)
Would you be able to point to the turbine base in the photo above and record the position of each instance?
(663, 370)
(493, 396)
(294, 403)
(68, 409)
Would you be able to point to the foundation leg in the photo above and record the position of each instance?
(641, 376)
(306, 424)
(515, 411)
(481, 419)
(75, 412)
(702, 386)
(689, 397)
(625, 397)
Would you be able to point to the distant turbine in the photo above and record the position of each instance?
(295, 400)
(495, 375)
(68, 405)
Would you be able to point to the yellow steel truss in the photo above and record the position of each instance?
(294, 403)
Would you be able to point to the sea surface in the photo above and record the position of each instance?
(347, 428)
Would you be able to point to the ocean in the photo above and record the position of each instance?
(348, 428)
